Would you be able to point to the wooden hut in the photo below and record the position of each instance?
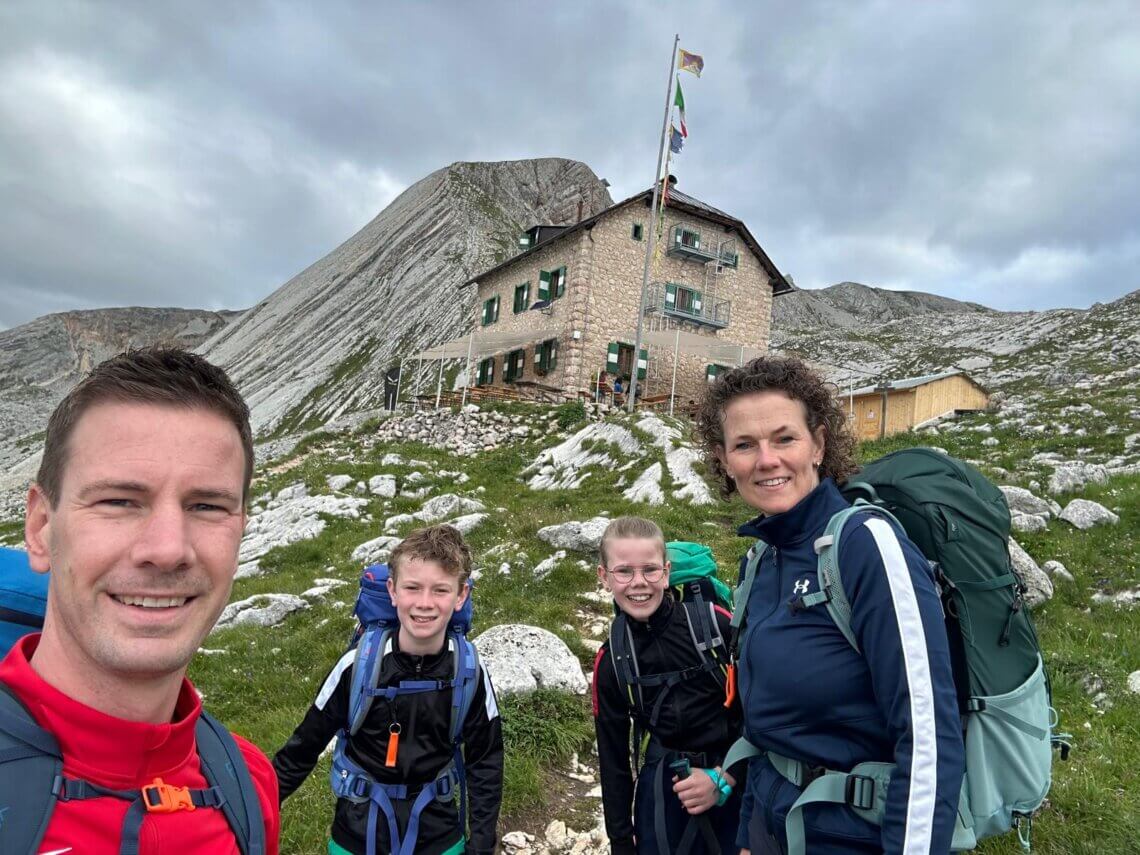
(900, 405)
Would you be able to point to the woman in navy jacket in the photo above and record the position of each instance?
(775, 434)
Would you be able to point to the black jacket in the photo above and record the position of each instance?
(692, 718)
(424, 750)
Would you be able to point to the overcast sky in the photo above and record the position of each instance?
(200, 154)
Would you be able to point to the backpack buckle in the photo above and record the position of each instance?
(160, 797)
(859, 792)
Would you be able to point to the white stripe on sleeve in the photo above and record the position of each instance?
(333, 678)
(924, 754)
(491, 703)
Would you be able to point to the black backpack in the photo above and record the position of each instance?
(32, 782)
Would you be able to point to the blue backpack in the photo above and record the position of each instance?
(373, 639)
(23, 598)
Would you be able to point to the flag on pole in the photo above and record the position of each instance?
(679, 102)
(690, 62)
(675, 140)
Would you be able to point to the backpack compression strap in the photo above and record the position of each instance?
(225, 769)
(30, 762)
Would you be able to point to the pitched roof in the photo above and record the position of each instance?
(911, 382)
(678, 201)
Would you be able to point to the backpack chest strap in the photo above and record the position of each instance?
(157, 797)
(406, 687)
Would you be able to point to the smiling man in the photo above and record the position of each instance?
(136, 513)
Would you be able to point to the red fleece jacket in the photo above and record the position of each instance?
(125, 755)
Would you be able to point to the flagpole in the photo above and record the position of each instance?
(649, 247)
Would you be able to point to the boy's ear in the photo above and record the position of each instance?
(464, 593)
(602, 577)
(391, 585)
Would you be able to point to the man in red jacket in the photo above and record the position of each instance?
(137, 511)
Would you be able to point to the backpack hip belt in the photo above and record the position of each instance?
(351, 782)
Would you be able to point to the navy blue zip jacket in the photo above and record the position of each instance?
(807, 694)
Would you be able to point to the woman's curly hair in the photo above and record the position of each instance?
(791, 376)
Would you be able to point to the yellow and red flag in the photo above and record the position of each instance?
(690, 62)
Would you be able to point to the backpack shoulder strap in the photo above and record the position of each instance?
(224, 767)
(365, 674)
(705, 635)
(30, 764)
(465, 682)
(831, 591)
(624, 659)
(740, 601)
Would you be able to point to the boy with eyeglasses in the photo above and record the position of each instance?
(656, 680)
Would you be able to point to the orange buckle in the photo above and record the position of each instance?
(159, 797)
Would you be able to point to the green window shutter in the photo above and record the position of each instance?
(670, 295)
(526, 294)
(560, 281)
(552, 359)
(544, 285)
(487, 311)
(539, 355)
(642, 363)
(711, 373)
(496, 310)
(522, 297)
(612, 357)
(677, 235)
(696, 302)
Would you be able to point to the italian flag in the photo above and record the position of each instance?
(679, 102)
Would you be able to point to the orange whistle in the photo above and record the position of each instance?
(393, 745)
(730, 686)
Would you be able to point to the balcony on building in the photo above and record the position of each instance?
(688, 240)
(683, 302)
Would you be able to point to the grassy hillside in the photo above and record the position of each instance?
(264, 679)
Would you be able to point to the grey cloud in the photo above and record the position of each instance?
(200, 155)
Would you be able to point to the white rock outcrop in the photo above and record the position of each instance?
(293, 519)
(383, 486)
(577, 536)
(1023, 501)
(647, 487)
(561, 467)
(1039, 587)
(1068, 477)
(1085, 514)
(447, 505)
(260, 610)
(376, 550)
(523, 658)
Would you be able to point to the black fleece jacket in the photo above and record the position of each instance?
(693, 717)
(424, 749)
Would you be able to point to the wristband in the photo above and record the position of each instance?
(724, 789)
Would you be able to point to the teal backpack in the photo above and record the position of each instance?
(961, 523)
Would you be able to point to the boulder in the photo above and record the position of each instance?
(1134, 682)
(1068, 477)
(397, 520)
(1028, 522)
(300, 518)
(543, 568)
(1085, 514)
(1056, 570)
(260, 610)
(1038, 586)
(578, 536)
(376, 550)
(523, 658)
(447, 505)
(383, 486)
(467, 523)
(1020, 499)
(339, 483)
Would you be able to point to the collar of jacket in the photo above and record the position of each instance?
(658, 621)
(803, 522)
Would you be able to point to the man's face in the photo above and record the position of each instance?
(142, 544)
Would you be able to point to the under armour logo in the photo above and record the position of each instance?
(802, 586)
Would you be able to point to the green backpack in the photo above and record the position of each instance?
(961, 523)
